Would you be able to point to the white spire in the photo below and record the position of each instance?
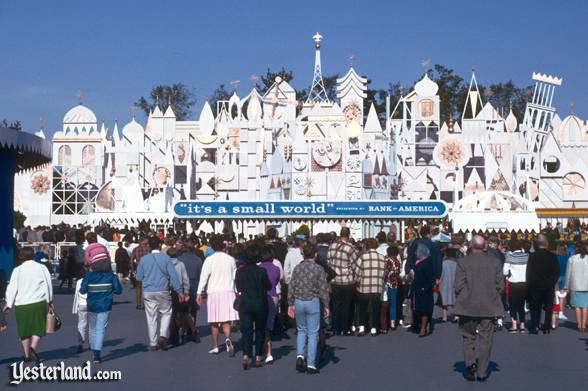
(473, 98)
(317, 93)
(115, 133)
(372, 123)
(103, 130)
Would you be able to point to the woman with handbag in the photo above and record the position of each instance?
(31, 293)
(252, 284)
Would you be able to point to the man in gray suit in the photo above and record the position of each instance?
(478, 286)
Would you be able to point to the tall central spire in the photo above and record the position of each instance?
(317, 93)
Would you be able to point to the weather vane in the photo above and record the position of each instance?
(235, 84)
(133, 109)
(572, 105)
(317, 40)
(254, 78)
(80, 96)
(350, 59)
(426, 64)
(42, 121)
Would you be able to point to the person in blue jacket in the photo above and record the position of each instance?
(99, 286)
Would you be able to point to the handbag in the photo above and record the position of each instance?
(237, 302)
(53, 322)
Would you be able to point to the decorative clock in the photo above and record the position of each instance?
(326, 153)
(351, 112)
(299, 163)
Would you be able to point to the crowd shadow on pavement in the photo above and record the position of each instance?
(460, 368)
(328, 356)
(60, 354)
(282, 351)
(126, 351)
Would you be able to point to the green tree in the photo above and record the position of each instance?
(219, 94)
(503, 96)
(267, 80)
(452, 91)
(181, 97)
(16, 125)
(18, 219)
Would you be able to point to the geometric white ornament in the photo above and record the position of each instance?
(450, 153)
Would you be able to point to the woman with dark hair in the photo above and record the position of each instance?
(122, 260)
(252, 284)
(393, 269)
(308, 289)
(31, 293)
(577, 284)
(274, 274)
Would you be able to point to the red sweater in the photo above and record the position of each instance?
(95, 252)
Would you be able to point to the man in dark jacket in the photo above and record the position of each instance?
(542, 275)
(193, 263)
(478, 285)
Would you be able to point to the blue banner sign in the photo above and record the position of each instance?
(309, 209)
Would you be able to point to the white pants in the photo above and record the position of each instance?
(82, 325)
(158, 307)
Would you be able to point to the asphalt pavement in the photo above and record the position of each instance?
(398, 360)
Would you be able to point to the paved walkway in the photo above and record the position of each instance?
(398, 360)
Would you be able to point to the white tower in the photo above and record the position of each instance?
(317, 93)
(539, 111)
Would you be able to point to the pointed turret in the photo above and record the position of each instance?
(473, 103)
(156, 110)
(103, 130)
(169, 112)
(206, 119)
(115, 133)
(372, 123)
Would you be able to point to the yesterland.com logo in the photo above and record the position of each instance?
(19, 372)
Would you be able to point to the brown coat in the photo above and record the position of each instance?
(478, 286)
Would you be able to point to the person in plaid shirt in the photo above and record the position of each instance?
(370, 271)
(341, 258)
(138, 252)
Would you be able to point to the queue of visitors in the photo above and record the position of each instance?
(325, 285)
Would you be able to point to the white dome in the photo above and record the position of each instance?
(426, 87)
(79, 114)
(132, 130)
(572, 130)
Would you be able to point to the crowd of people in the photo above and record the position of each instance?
(324, 285)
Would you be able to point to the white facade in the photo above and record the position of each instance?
(274, 147)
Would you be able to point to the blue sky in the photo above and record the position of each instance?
(115, 51)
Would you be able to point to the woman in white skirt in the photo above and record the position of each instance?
(218, 280)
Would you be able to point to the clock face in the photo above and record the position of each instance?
(351, 112)
(299, 163)
(326, 153)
